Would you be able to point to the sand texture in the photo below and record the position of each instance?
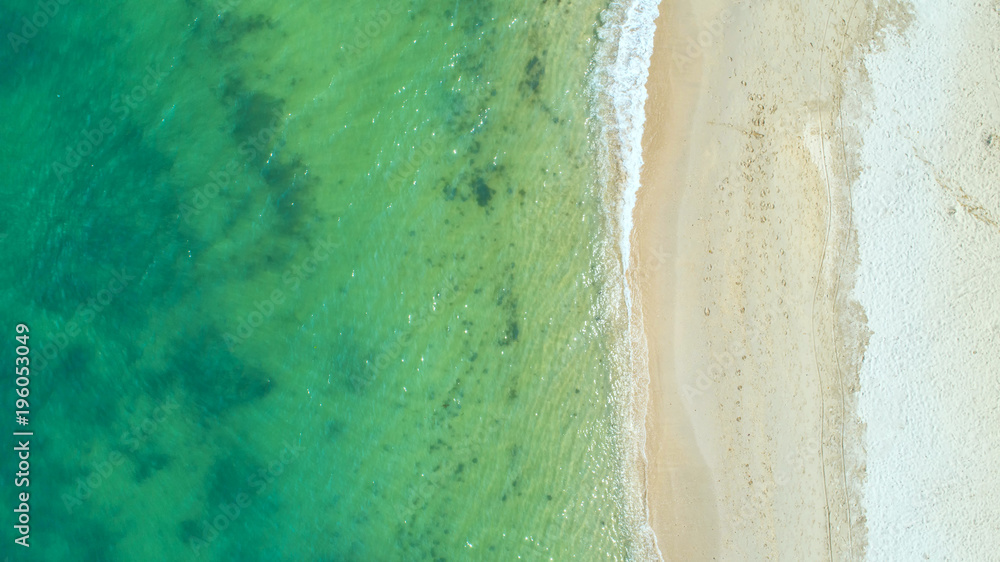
(747, 261)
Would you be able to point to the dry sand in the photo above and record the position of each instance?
(927, 212)
(818, 260)
(745, 261)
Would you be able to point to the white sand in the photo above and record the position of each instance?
(926, 208)
(743, 240)
(821, 176)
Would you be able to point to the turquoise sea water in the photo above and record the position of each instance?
(307, 281)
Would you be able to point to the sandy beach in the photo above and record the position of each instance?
(747, 259)
(745, 221)
(817, 253)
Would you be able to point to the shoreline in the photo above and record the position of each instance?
(618, 98)
(680, 495)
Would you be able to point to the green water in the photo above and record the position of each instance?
(307, 281)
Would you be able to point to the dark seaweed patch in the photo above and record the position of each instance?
(334, 429)
(231, 86)
(504, 293)
(511, 333)
(229, 28)
(82, 390)
(76, 364)
(238, 476)
(482, 191)
(99, 220)
(147, 464)
(22, 58)
(214, 378)
(256, 117)
(228, 477)
(507, 301)
(533, 73)
(290, 185)
(189, 530)
(356, 368)
(278, 173)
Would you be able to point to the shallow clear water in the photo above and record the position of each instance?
(308, 281)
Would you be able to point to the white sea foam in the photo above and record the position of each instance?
(622, 68)
(619, 74)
